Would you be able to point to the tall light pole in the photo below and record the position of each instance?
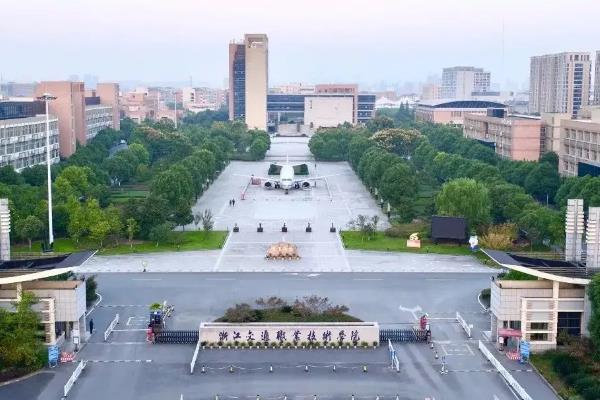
(46, 97)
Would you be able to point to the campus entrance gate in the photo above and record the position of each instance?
(403, 335)
(177, 337)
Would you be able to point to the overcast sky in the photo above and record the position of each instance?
(366, 41)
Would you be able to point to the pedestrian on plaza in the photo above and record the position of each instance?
(91, 326)
(233, 202)
(229, 202)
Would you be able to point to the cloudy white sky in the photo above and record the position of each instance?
(367, 41)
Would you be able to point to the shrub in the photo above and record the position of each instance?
(240, 313)
(565, 364)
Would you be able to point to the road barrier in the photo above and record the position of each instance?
(111, 327)
(464, 324)
(393, 356)
(504, 372)
(195, 357)
(403, 335)
(177, 337)
(74, 377)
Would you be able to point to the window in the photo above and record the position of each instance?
(538, 337)
(539, 326)
(570, 322)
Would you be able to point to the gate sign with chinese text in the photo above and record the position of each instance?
(346, 332)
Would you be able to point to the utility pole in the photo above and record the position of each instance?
(47, 97)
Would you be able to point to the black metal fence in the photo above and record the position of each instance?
(403, 335)
(177, 337)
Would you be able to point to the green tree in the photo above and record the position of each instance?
(398, 141)
(114, 218)
(357, 147)
(182, 215)
(35, 176)
(380, 122)
(542, 223)
(175, 184)
(543, 182)
(131, 227)
(593, 291)
(465, 198)
(20, 345)
(30, 228)
(399, 186)
(161, 233)
(9, 176)
(99, 230)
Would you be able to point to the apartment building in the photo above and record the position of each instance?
(560, 83)
(203, 98)
(513, 137)
(69, 107)
(249, 80)
(460, 82)
(579, 152)
(23, 134)
(81, 114)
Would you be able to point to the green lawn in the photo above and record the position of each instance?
(191, 240)
(354, 240)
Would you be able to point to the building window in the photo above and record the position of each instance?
(539, 326)
(569, 322)
(538, 337)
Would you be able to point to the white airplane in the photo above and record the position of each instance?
(287, 179)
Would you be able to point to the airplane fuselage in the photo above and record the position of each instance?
(286, 177)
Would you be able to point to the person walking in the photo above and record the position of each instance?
(233, 202)
(91, 326)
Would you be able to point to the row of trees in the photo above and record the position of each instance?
(175, 165)
(473, 181)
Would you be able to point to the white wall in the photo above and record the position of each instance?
(321, 111)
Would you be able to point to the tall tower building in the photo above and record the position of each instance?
(461, 82)
(560, 83)
(597, 80)
(249, 80)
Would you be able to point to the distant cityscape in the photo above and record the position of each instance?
(558, 113)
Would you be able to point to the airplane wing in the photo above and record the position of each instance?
(314, 178)
(262, 178)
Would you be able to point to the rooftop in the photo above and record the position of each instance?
(457, 103)
(554, 270)
(31, 269)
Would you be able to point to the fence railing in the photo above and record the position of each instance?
(111, 327)
(504, 372)
(195, 357)
(403, 335)
(467, 328)
(177, 337)
(74, 377)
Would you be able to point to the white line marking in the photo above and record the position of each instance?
(367, 279)
(128, 321)
(130, 330)
(413, 310)
(220, 279)
(218, 263)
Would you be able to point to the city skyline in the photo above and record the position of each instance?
(183, 39)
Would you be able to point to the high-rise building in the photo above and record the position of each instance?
(109, 95)
(597, 80)
(460, 82)
(560, 83)
(69, 107)
(249, 80)
(431, 91)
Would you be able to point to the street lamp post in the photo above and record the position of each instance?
(46, 97)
